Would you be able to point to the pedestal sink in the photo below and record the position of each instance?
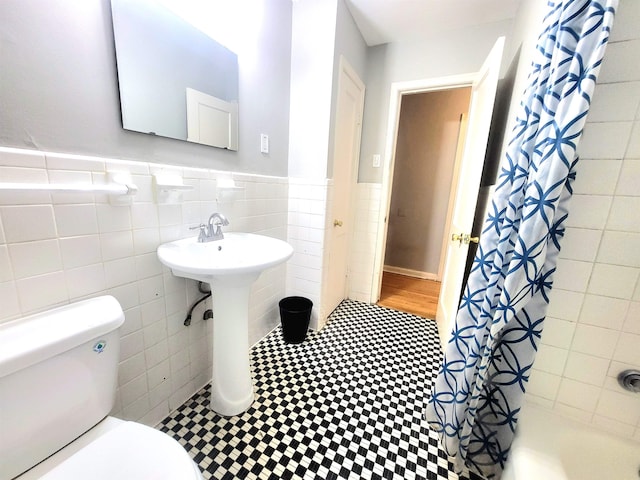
(230, 266)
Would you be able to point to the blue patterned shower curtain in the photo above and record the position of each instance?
(477, 395)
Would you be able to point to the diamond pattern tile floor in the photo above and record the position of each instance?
(345, 404)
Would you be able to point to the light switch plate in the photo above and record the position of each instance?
(264, 143)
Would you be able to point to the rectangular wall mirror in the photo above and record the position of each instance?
(175, 81)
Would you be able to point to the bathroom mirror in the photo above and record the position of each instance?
(175, 81)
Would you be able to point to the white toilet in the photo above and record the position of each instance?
(58, 378)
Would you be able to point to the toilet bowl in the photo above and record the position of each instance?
(58, 377)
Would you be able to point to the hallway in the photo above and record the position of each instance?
(410, 294)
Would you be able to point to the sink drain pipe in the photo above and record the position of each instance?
(207, 314)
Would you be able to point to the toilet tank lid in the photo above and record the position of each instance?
(30, 340)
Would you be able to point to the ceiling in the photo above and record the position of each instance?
(386, 21)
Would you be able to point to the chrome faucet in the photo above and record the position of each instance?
(218, 221)
(213, 230)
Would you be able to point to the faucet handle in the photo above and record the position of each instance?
(203, 232)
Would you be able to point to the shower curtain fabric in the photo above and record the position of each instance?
(478, 393)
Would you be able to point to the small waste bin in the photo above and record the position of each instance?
(295, 314)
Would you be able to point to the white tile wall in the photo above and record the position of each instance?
(65, 247)
(593, 329)
(308, 201)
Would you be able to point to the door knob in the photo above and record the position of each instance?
(464, 238)
(337, 223)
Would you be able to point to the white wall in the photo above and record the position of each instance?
(312, 58)
(59, 86)
(592, 331)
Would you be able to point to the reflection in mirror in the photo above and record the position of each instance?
(175, 81)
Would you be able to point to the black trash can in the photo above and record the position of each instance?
(295, 314)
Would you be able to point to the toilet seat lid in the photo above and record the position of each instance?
(130, 451)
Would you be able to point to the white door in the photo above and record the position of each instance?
(483, 95)
(211, 121)
(348, 127)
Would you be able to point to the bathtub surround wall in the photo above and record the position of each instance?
(593, 327)
(60, 248)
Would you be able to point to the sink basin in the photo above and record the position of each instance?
(236, 254)
(230, 266)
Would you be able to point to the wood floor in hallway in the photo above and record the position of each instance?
(410, 294)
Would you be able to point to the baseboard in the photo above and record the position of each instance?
(411, 273)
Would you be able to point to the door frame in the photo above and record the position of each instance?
(398, 89)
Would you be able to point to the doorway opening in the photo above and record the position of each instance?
(428, 147)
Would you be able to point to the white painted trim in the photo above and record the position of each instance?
(407, 272)
(397, 90)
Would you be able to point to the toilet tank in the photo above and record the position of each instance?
(58, 378)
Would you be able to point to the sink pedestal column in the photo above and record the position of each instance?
(231, 385)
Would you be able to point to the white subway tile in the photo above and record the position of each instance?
(64, 161)
(74, 220)
(589, 211)
(578, 394)
(127, 295)
(614, 101)
(617, 66)
(620, 248)
(557, 332)
(133, 390)
(6, 273)
(71, 177)
(550, 359)
(26, 223)
(629, 181)
(621, 216)
(580, 244)
(169, 215)
(605, 140)
(131, 344)
(47, 290)
(113, 218)
(136, 410)
(633, 149)
(613, 280)
(144, 215)
(152, 312)
(604, 312)
(157, 353)
(116, 245)
(147, 265)
(158, 374)
(586, 368)
(85, 280)
(572, 275)
(8, 300)
(597, 177)
(132, 321)
(632, 320)
(80, 251)
(131, 368)
(23, 175)
(628, 350)
(543, 384)
(565, 304)
(619, 406)
(596, 341)
(19, 157)
(119, 272)
(150, 288)
(625, 26)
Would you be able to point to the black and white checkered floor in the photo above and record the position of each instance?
(345, 404)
